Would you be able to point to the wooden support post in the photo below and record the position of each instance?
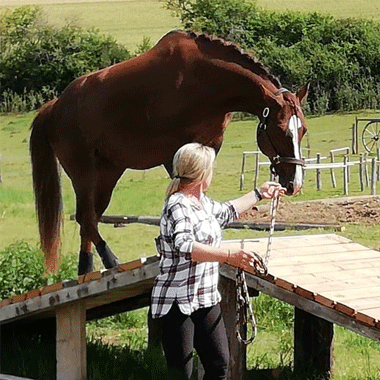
(257, 169)
(345, 175)
(71, 342)
(361, 180)
(238, 352)
(356, 150)
(318, 173)
(332, 173)
(242, 172)
(313, 345)
(378, 160)
(354, 134)
(366, 176)
(373, 176)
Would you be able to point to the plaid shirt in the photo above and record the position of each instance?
(191, 284)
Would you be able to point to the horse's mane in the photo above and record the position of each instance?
(236, 54)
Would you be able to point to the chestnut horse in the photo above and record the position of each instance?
(137, 113)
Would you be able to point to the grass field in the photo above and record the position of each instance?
(141, 193)
(127, 21)
(130, 20)
(356, 358)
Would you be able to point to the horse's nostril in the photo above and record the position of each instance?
(290, 188)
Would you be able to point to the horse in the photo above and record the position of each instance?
(137, 113)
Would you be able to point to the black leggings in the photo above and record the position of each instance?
(203, 330)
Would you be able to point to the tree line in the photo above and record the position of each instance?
(339, 56)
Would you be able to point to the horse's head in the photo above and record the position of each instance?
(279, 135)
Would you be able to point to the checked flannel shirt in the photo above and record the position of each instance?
(192, 285)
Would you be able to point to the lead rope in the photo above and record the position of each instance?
(273, 211)
(243, 304)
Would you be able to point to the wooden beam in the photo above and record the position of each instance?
(116, 285)
(71, 342)
(310, 306)
(313, 345)
(119, 220)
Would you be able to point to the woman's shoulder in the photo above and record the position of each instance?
(176, 199)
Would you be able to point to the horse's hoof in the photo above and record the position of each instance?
(108, 258)
(86, 263)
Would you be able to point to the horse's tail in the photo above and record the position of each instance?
(47, 186)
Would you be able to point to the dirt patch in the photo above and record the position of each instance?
(359, 210)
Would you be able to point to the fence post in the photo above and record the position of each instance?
(257, 169)
(318, 173)
(348, 166)
(378, 159)
(353, 136)
(356, 135)
(332, 160)
(345, 175)
(361, 172)
(373, 176)
(366, 176)
(242, 172)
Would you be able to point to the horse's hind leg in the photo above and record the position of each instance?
(106, 182)
(85, 216)
(88, 220)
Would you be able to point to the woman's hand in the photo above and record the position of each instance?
(244, 260)
(269, 189)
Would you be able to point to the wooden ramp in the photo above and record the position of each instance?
(327, 277)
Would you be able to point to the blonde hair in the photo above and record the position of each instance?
(193, 163)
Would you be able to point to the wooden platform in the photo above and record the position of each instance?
(326, 275)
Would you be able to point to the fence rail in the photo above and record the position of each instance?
(314, 163)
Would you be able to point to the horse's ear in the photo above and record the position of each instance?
(303, 91)
(270, 97)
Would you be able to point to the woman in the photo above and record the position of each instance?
(185, 296)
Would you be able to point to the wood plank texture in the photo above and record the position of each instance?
(329, 270)
(328, 275)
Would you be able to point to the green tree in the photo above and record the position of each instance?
(36, 57)
(339, 56)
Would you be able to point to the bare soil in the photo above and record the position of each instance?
(358, 210)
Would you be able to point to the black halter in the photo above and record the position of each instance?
(274, 157)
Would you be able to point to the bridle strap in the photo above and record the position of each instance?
(281, 91)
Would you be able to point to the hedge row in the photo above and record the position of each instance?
(340, 56)
(38, 60)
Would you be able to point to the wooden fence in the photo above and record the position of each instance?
(317, 165)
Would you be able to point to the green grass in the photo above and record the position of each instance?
(141, 192)
(127, 21)
(368, 9)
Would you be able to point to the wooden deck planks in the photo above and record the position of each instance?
(328, 269)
